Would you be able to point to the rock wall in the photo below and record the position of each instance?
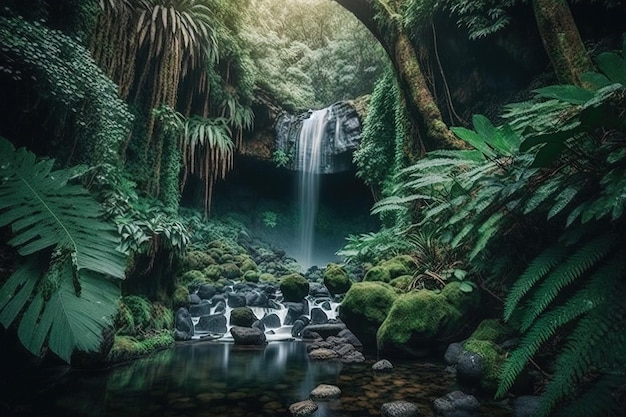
(277, 130)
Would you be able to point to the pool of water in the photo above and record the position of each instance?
(205, 379)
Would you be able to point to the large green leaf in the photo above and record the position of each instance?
(44, 211)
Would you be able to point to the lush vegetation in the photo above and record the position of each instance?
(131, 104)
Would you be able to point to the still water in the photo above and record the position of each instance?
(219, 379)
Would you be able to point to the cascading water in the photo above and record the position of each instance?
(309, 160)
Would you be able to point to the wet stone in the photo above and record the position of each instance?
(399, 409)
(303, 408)
(323, 354)
(325, 391)
(382, 365)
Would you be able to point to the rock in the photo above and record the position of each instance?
(336, 279)
(324, 330)
(220, 307)
(258, 324)
(419, 320)
(181, 336)
(206, 291)
(242, 316)
(256, 299)
(323, 354)
(318, 290)
(489, 329)
(399, 265)
(198, 310)
(294, 287)
(194, 299)
(344, 349)
(326, 305)
(399, 409)
(456, 404)
(526, 406)
(377, 273)
(382, 365)
(248, 336)
(304, 408)
(353, 356)
(214, 323)
(184, 324)
(294, 311)
(351, 338)
(236, 300)
(453, 352)
(272, 321)
(318, 316)
(296, 330)
(230, 271)
(469, 368)
(365, 307)
(325, 392)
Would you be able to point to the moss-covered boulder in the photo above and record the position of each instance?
(492, 359)
(336, 279)
(248, 265)
(268, 278)
(419, 320)
(399, 265)
(196, 259)
(126, 348)
(365, 307)
(180, 297)
(402, 283)
(490, 329)
(231, 271)
(212, 272)
(251, 276)
(377, 273)
(294, 287)
(192, 276)
(242, 316)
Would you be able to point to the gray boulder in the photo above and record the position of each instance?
(325, 392)
(456, 404)
(469, 368)
(213, 323)
(382, 365)
(526, 406)
(453, 353)
(248, 336)
(183, 325)
(399, 409)
(304, 408)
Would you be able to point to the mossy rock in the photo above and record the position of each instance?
(420, 320)
(216, 253)
(190, 276)
(212, 272)
(141, 310)
(336, 279)
(126, 348)
(294, 287)
(267, 277)
(230, 271)
(180, 297)
(492, 359)
(365, 307)
(401, 283)
(227, 258)
(242, 316)
(248, 265)
(124, 320)
(399, 265)
(377, 273)
(251, 276)
(491, 330)
(462, 300)
(196, 259)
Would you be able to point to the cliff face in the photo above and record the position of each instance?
(277, 131)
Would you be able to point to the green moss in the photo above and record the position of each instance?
(490, 330)
(242, 316)
(267, 277)
(464, 301)
(162, 317)
(248, 265)
(378, 273)
(401, 283)
(126, 348)
(336, 279)
(191, 276)
(294, 287)
(251, 276)
(493, 357)
(230, 271)
(399, 265)
(180, 298)
(141, 310)
(365, 307)
(212, 272)
(197, 260)
(416, 320)
(124, 321)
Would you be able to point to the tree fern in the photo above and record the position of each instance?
(46, 213)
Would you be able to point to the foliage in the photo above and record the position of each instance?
(311, 54)
(373, 246)
(270, 219)
(74, 87)
(66, 305)
(558, 170)
(281, 158)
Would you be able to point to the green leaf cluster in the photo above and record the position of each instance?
(67, 304)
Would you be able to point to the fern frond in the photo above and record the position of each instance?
(537, 270)
(562, 200)
(565, 274)
(487, 231)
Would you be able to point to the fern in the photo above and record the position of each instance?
(45, 212)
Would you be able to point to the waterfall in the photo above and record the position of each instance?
(309, 160)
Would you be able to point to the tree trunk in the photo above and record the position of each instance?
(561, 40)
(433, 132)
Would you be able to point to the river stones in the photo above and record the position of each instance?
(382, 366)
(323, 354)
(248, 335)
(456, 404)
(325, 392)
(399, 409)
(303, 408)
